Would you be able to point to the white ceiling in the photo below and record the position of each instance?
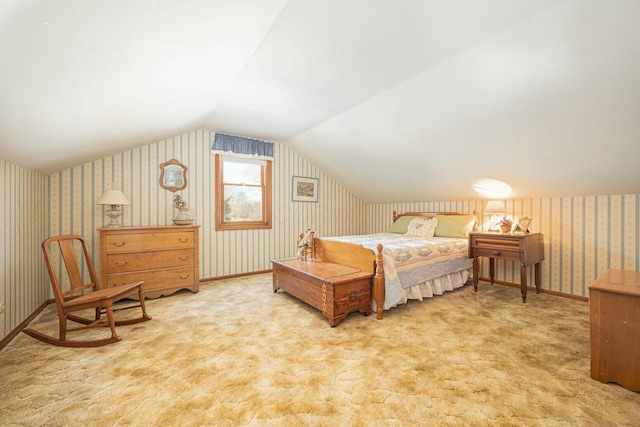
(408, 100)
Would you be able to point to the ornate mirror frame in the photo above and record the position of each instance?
(173, 175)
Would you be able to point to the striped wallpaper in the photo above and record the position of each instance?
(584, 236)
(23, 286)
(137, 173)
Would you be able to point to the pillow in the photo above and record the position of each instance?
(423, 227)
(455, 225)
(402, 223)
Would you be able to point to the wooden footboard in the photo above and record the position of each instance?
(355, 256)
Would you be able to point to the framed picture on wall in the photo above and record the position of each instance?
(304, 189)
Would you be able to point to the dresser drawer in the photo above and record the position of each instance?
(126, 262)
(156, 279)
(117, 242)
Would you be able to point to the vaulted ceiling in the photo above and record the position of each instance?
(406, 101)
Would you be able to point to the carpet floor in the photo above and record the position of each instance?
(238, 354)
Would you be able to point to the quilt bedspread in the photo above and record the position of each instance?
(409, 260)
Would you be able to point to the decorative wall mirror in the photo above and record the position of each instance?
(173, 175)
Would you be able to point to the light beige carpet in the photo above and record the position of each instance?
(238, 354)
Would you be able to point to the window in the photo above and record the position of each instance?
(243, 193)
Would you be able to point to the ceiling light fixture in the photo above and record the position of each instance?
(492, 188)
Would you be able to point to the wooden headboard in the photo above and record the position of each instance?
(396, 216)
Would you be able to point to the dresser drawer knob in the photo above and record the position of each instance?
(185, 258)
(119, 245)
(183, 240)
(185, 277)
(121, 264)
(496, 253)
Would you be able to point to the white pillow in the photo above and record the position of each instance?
(423, 227)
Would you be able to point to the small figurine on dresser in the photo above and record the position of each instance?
(305, 244)
(184, 215)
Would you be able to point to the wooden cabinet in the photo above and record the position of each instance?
(614, 311)
(165, 257)
(334, 289)
(526, 249)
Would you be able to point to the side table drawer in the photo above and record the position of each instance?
(497, 253)
(495, 242)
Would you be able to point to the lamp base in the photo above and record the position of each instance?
(114, 213)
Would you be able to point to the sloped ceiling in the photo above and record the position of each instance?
(399, 101)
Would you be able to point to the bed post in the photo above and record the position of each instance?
(378, 283)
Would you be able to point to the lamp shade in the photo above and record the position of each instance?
(495, 207)
(112, 197)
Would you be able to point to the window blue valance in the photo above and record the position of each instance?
(243, 147)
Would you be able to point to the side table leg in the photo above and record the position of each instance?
(492, 269)
(523, 282)
(475, 274)
(537, 277)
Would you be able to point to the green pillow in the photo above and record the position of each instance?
(402, 224)
(455, 225)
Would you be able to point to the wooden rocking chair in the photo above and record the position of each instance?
(83, 296)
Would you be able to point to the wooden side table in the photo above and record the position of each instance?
(614, 313)
(527, 249)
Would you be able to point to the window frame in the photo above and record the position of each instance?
(267, 197)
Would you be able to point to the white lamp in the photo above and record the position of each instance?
(116, 199)
(494, 208)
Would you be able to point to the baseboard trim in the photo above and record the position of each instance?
(484, 279)
(533, 289)
(6, 340)
(232, 276)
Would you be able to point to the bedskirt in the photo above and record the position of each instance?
(430, 288)
(437, 286)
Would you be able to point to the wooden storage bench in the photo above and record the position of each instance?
(335, 290)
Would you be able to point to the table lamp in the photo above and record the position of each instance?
(115, 199)
(495, 208)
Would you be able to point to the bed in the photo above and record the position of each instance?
(414, 259)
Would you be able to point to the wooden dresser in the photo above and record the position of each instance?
(526, 249)
(165, 257)
(614, 311)
(335, 290)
